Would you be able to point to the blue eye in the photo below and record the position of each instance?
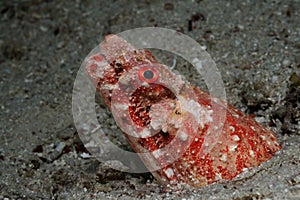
(148, 74)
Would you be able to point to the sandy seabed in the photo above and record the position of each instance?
(255, 44)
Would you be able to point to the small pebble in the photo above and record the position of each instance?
(168, 6)
(43, 28)
(286, 62)
(85, 155)
(260, 119)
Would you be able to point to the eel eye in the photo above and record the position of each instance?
(148, 74)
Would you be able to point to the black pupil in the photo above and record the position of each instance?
(148, 74)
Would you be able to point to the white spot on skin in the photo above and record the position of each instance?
(233, 147)
(109, 86)
(176, 125)
(145, 133)
(232, 129)
(236, 115)
(196, 139)
(245, 169)
(159, 114)
(251, 153)
(169, 172)
(218, 176)
(185, 165)
(201, 114)
(235, 138)
(263, 137)
(156, 153)
(120, 106)
(183, 136)
(164, 128)
(252, 127)
(223, 158)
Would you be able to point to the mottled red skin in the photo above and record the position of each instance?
(242, 144)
